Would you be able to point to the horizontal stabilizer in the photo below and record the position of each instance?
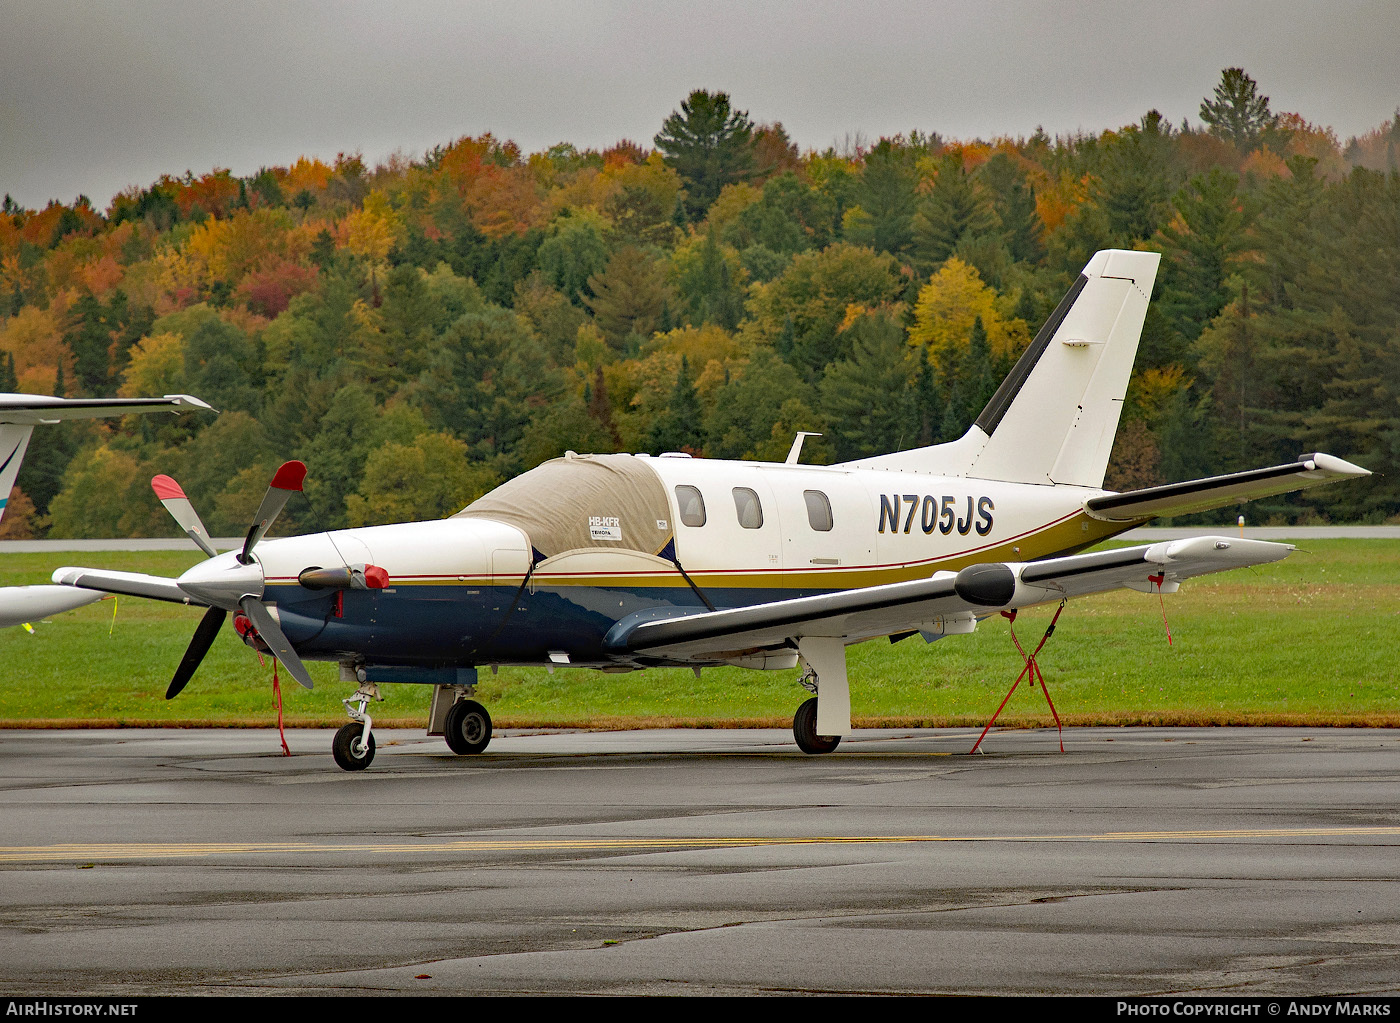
(660, 635)
(1219, 491)
(19, 604)
(134, 584)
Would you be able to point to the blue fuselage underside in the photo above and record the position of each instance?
(464, 626)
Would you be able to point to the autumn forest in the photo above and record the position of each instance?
(421, 330)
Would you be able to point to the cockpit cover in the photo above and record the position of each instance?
(584, 501)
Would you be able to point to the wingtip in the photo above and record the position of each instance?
(189, 399)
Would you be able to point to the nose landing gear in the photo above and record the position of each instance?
(353, 746)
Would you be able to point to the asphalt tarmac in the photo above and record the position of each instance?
(1141, 861)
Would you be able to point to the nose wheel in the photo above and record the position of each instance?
(468, 727)
(804, 730)
(353, 747)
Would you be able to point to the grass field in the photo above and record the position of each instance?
(1312, 640)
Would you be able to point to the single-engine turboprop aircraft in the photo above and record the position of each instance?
(621, 562)
(19, 414)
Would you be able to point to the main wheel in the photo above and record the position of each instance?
(468, 728)
(804, 730)
(349, 754)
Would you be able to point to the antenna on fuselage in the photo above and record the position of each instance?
(796, 452)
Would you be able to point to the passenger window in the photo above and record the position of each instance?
(818, 510)
(750, 511)
(692, 506)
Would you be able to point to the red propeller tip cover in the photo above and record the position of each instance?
(166, 488)
(289, 476)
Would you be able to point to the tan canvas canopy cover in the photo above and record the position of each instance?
(584, 501)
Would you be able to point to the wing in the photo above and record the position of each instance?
(938, 605)
(1219, 491)
(135, 584)
(30, 603)
(31, 409)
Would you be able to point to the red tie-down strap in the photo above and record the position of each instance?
(1157, 581)
(1032, 669)
(277, 692)
(244, 628)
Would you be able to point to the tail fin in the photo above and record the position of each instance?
(13, 440)
(1055, 415)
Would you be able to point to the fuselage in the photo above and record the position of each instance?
(470, 590)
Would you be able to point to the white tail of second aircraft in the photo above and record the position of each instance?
(13, 440)
(1054, 417)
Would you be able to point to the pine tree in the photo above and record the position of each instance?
(1238, 113)
(89, 339)
(709, 144)
(1014, 204)
(679, 428)
(979, 380)
(867, 398)
(1202, 248)
(954, 209)
(628, 296)
(885, 198)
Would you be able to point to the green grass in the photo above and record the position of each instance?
(1314, 639)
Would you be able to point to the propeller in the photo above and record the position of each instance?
(232, 582)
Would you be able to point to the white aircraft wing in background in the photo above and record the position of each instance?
(19, 414)
(34, 409)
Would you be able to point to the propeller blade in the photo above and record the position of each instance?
(204, 636)
(182, 511)
(285, 482)
(275, 639)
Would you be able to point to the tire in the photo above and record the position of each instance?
(468, 727)
(345, 745)
(804, 730)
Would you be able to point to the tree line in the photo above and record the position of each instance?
(419, 331)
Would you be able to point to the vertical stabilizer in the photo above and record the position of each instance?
(1054, 417)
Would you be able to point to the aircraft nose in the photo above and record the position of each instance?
(223, 581)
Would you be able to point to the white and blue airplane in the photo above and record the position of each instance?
(622, 562)
(19, 414)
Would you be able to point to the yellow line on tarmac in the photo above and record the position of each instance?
(192, 850)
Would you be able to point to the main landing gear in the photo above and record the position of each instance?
(804, 730)
(804, 722)
(468, 727)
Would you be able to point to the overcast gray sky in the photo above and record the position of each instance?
(96, 95)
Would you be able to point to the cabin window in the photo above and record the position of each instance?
(692, 506)
(818, 510)
(750, 511)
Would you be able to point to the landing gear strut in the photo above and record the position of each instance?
(804, 730)
(468, 727)
(353, 746)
